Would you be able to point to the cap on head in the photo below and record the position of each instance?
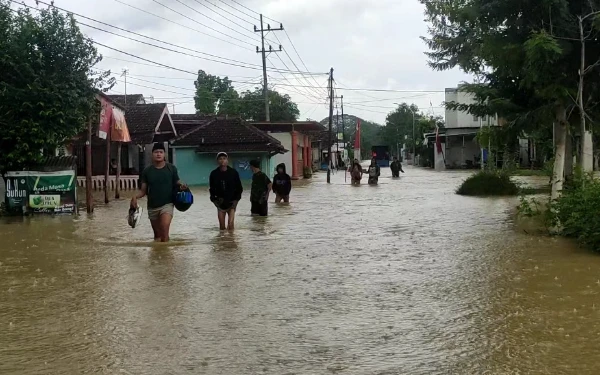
(222, 155)
(158, 146)
(255, 163)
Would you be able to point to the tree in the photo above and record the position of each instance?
(282, 108)
(371, 133)
(211, 93)
(530, 76)
(47, 84)
(399, 126)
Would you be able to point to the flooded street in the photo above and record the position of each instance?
(402, 278)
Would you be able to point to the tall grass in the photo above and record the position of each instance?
(488, 183)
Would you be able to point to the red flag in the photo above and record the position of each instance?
(438, 143)
(357, 135)
(106, 117)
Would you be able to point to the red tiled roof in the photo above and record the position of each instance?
(228, 135)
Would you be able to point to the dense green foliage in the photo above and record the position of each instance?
(574, 214)
(488, 183)
(216, 95)
(46, 83)
(528, 57)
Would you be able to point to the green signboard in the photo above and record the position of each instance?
(42, 192)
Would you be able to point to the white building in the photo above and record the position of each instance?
(460, 146)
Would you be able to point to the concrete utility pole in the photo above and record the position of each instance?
(264, 52)
(330, 123)
(125, 73)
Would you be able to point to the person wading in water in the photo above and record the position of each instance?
(160, 181)
(374, 172)
(259, 195)
(282, 184)
(396, 167)
(225, 191)
(356, 172)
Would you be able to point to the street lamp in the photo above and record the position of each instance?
(413, 137)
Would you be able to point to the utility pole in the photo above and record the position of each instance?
(343, 123)
(337, 131)
(124, 73)
(330, 123)
(264, 52)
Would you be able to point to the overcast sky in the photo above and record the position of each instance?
(371, 44)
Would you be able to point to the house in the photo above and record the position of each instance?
(459, 142)
(202, 137)
(147, 123)
(296, 137)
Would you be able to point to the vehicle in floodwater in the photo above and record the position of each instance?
(382, 155)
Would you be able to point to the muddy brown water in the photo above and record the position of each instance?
(402, 278)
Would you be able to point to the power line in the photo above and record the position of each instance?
(241, 11)
(253, 11)
(204, 15)
(224, 10)
(228, 12)
(179, 24)
(199, 23)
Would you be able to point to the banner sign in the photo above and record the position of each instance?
(42, 192)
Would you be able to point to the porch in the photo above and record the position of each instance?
(127, 182)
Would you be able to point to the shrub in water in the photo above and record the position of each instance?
(488, 183)
(577, 212)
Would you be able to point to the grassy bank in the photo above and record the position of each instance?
(576, 214)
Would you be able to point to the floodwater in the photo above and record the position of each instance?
(402, 278)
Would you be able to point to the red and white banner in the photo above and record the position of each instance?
(106, 118)
(357, 135)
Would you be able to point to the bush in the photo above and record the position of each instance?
(576, 212)
(488, 183)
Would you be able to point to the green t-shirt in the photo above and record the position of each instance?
(260, 186)
(161, 182)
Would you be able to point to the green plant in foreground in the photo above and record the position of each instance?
(576, 212)
(488, 183)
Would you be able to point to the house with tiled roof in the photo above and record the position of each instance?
(296, 137)
(200, 138)
(147, 123)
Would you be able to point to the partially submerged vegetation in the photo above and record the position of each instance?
(575, 214)
(488, 183)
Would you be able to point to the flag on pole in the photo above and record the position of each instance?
(357, 135)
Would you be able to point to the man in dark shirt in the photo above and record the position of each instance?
(259, 195)
(159, 182)
(225, 191)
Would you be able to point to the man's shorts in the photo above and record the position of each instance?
(226, 206)
(259, 208)
(156, 213)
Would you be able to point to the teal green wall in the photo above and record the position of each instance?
(194, 169)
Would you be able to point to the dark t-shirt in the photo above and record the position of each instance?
(260, 186)
(161, 182)
(225, 185)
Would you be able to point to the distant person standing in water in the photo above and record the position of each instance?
(282, 184)
(396, 167)
(160, 181)
(374, 172)
(259, 195)
(356, 172)
(225, 191)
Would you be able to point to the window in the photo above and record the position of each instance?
(475, 118)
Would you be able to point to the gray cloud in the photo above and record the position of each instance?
(370, 44)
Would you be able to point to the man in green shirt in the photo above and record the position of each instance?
(159, 182)
(259, 195)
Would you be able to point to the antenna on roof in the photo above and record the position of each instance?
(151, 99)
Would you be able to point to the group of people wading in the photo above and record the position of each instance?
(373, 172)
(160, 182)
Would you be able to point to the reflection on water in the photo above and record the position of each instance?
(403, 278)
